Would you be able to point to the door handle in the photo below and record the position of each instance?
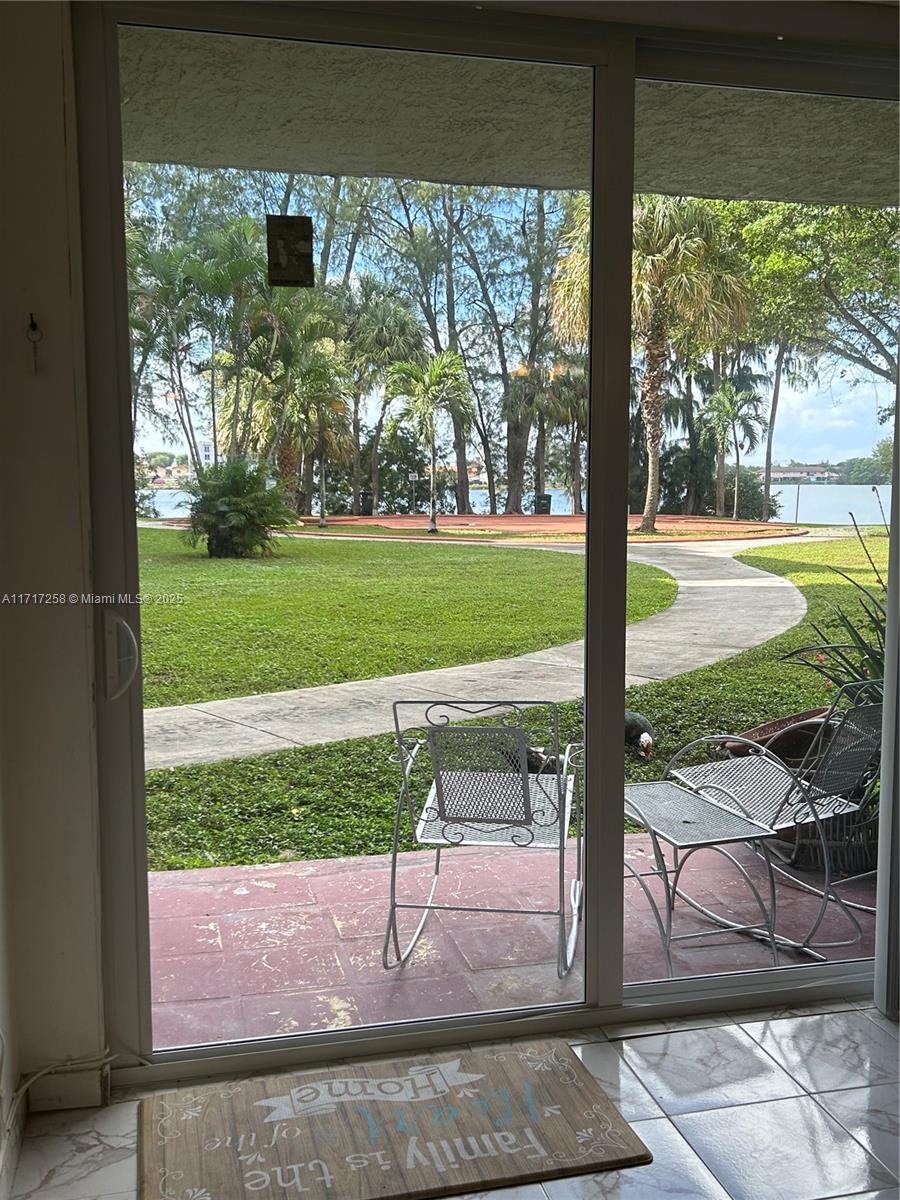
(117, 683)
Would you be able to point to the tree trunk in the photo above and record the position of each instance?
(652, 405)
(376, 464)
(491, 483)
(689, 508)
(484, 438)
(356, 470)
(286, 461)
(463, 504)
(770, 432)
(432, 521)
(356, 234)
(308, 483)
(235, 412)
(328, 231)
(540, 454)
(212, 400)
(323, 522)
(285, 204)
(575, 471)
(720, 483)
(720, 454)
(517, 430)
(518, 427)
(737, 475)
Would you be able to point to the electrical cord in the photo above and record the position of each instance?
(99, 1061)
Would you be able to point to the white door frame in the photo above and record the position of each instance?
(611, 51)
(120, 722)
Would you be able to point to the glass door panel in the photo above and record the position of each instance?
(361, 483)
(766, 236)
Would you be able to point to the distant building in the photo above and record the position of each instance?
(803, 473)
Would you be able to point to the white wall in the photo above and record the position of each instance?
(50, 993)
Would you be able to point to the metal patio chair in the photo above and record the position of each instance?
(471, 775)
(757, 798)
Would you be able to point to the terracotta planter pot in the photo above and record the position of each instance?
(792, 747)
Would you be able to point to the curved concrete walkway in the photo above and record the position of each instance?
(722, 607)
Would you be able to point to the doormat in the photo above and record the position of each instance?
(432, 1125)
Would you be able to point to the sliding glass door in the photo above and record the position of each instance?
(372, 396)
(765, 355)
(356, 288)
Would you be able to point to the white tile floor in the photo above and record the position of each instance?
(784, 1104)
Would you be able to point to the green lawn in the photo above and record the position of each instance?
(324, 801)
(326, 611)
(755, 686)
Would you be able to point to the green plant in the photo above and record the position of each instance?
(144, 503)
(234, 510)
(438, 386)
(751, 505)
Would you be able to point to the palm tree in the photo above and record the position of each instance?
(164, 323)
(380, 330)
(735, 418)
(333, 440)
(570, 293)
(229, 272)
(440, 386)
(567, 409)
(681, 277)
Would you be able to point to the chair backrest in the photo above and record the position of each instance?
(853, 743)
(481, 774)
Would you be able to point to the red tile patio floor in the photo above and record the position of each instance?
(247, 952)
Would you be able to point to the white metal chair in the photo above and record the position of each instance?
(756, 798)
(472, 775)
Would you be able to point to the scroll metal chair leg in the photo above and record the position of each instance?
(392, 936)
(567, 934)
(764, 931)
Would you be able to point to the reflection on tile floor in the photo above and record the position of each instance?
(762, 1128)
(243, 952)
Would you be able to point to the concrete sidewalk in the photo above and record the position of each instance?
(722, 607)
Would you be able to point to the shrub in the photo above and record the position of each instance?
(234, 510)
(144, 501)
(750, 500)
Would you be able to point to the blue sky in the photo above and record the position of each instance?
(830, 421)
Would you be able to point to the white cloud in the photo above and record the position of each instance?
(830, 421)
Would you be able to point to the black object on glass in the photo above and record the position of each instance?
(289, 243)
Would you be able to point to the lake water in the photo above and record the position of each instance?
(832, 503)
(169, 502)
(818, 504)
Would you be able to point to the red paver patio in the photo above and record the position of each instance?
(244, 952)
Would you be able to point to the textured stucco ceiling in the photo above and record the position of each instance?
(219, 100)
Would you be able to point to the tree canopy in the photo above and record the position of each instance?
(727, 294)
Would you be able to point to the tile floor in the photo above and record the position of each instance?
(242, 952)
(781, 1104)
